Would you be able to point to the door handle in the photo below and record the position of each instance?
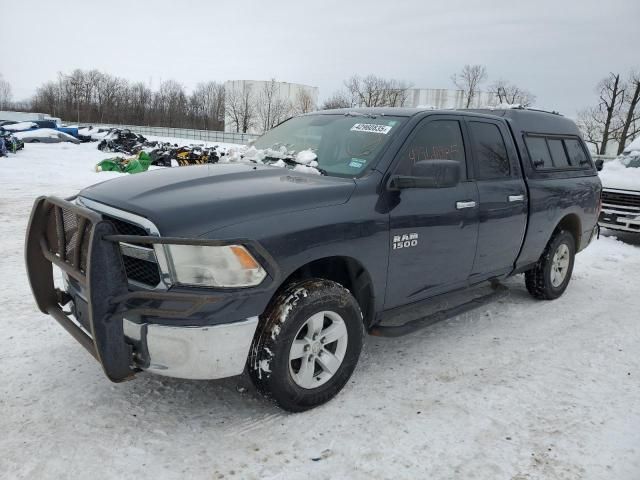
(461, 205)
(516, 198)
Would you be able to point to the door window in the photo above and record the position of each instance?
(434, 140)
(490, 151)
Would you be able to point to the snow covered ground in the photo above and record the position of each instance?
(519, 389)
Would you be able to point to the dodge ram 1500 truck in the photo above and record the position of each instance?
(280, 257)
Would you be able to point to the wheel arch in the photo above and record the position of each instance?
(345, 270)
(572, 224)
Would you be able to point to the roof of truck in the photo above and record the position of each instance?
(533, 121)
(391, 111)
(521, 119)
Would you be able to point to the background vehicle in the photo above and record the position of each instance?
(40, 124)
(45, 135)
(122, 140)
(328, 226)
(12, 143)
(621, 191)
(73, 131)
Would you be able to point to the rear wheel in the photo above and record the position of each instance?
(307, 344)
(551, 275)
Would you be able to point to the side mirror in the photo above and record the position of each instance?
(599, 164)
(428, 174)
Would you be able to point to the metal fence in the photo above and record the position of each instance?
(188, 133)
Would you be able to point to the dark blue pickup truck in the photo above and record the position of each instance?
(280, 257)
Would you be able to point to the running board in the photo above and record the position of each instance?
(499, 291)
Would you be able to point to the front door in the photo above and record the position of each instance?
(433, 231)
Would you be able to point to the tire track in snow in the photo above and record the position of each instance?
(250, 425)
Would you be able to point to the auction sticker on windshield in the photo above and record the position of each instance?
(371, 128)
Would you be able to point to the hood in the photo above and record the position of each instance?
(191, 201)
(621, 173)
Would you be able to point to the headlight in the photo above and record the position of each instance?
(207, 266)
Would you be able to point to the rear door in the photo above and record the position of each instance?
(433, 230)
(502, 197)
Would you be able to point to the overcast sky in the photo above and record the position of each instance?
(557, 49)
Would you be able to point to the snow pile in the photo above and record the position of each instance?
(21, 126)
(93, 132)
(505, 106)
(622, 172)
(304, 161)
(307, 157)
(633, 147)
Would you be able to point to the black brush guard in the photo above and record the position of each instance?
(71, 237)
(86, 247)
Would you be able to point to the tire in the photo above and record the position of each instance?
(551, 275)
(306, 312)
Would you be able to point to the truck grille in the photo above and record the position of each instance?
(141, 271)
(620, 199)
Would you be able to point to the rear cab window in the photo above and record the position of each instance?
(490, 151)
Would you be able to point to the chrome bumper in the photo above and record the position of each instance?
(620, 220)
(198, 353)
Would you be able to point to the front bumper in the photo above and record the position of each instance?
(616, 219)
(114, 323)
(198, 353)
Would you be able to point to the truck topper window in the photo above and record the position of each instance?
(556, 153)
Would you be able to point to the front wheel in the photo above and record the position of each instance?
(551, 275)
(307, 344)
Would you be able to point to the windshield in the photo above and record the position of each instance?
(632, 159)
(344, 145)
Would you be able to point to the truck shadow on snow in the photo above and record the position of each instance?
(629, 238)
(228, 401)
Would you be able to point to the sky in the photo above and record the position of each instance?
(556, 49)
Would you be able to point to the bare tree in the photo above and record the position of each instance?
(140, 97)
(240, 107)
(590, 121)
(5, 93)
(271, 108)
(339, 99)
(612, 91)
(617, 115)
(469, 81)
(506, 92)
(630, 113)
(303, 103)
(374, 91)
